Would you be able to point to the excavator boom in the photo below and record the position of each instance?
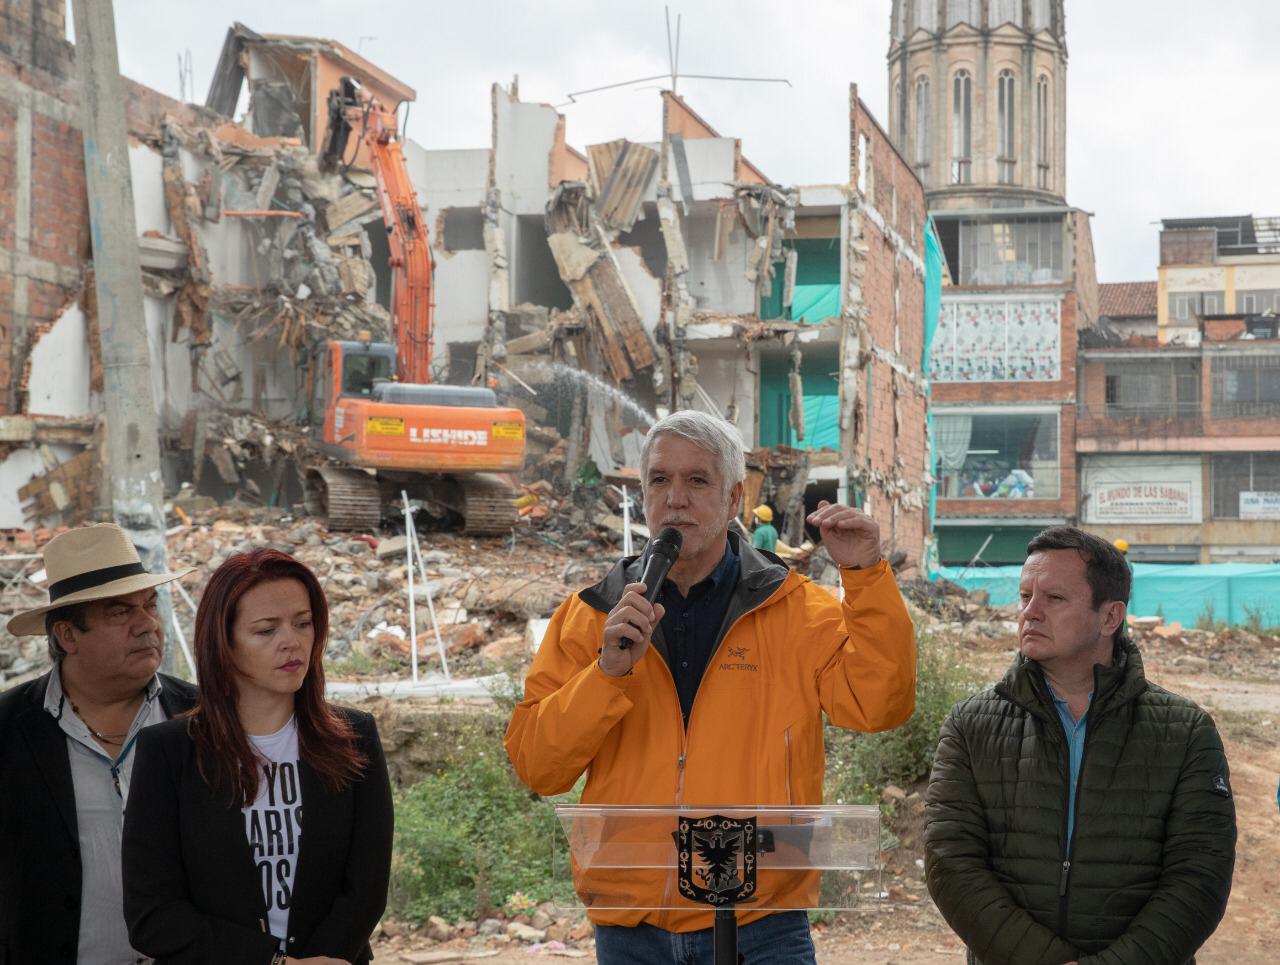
(351, 110)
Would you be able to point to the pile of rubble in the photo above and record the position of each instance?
(967, 617)
(541, 931)
(484, 592)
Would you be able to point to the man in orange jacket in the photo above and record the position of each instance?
(729, 710)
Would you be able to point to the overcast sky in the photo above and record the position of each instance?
(1171, 108)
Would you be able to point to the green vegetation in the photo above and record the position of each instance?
(470, 835)
(859, 765)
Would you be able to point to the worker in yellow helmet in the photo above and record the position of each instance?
(764, 536)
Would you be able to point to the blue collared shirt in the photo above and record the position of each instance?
(691, 624)
(1075, 745)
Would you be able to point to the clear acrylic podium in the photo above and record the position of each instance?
(729, 859)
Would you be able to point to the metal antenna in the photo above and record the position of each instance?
(675, 70)
(671, 57)
(673, 60)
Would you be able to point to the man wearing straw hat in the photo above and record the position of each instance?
(66, 743)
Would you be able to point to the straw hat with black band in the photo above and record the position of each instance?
(86, 564)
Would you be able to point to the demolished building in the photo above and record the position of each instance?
(592, 289)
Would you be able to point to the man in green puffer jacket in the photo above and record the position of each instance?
(1076, 812)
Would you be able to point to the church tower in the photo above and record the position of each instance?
(978, 100)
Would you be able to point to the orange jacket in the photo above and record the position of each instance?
(755, 734)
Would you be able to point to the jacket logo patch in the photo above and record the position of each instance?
(738, 652)
(1220, 785)
(717, 859)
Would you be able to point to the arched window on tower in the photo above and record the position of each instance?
(1006, 160)
(1006, 11)
(1042, 132)
(1041, 15)
(925, 15)
(922, 122)
(964, 11)
(961, 128)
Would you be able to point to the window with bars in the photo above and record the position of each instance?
(962, 128)
(1042, 132)
(1245, 472)
(1010, 455)
(1246, 386)
(1006, 160)
(1189, 306)
(1258, 301)
(1153, 389)
(1013, 251)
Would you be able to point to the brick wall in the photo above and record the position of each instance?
(892, 442)
(44, 213)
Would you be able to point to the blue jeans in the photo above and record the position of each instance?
(778, 939)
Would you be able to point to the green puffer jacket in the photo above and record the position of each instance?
(1146, 878)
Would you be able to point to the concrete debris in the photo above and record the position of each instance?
(620, 175)
(588, 265)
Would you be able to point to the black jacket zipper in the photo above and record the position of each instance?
(1064, 879)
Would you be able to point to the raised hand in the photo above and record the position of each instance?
(851, 537)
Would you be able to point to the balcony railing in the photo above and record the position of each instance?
(1125, 419)
(1245, 410)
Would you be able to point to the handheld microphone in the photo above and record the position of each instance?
(662, 554)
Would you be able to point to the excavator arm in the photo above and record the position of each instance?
(354, 112)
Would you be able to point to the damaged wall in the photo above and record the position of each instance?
(233, 295)
(883, 405)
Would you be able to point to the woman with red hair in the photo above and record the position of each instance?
(258, 829)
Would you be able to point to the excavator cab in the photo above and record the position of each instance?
(346, 370)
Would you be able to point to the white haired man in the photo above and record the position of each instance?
(66, 742)
(729, 710)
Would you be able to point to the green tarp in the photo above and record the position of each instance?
(1240, 594)
(821, 402)
(817, 290)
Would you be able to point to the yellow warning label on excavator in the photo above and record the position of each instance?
(380, 425)
(508, 430)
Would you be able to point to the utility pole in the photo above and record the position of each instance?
(133, 431)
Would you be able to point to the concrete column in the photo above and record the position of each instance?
(133, 435)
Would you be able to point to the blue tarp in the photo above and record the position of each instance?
(1235, 593)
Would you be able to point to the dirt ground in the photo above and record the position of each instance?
(902, 931)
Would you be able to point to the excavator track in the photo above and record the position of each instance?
(488, 505)
(344, 498)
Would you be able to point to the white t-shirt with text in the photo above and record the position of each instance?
(273, 823)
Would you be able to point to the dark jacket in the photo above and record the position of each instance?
(192, 893)
(39, 837)
(1148, 872)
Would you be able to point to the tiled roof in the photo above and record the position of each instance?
(1127, 299)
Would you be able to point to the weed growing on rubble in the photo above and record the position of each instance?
(469, 835)
(859, 765)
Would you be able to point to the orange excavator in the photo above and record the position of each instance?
(374, 409)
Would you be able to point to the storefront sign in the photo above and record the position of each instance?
(1122, 501)
(1259, 505)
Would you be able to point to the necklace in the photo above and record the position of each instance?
(117, 739)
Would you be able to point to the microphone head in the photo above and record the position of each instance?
(668, 543)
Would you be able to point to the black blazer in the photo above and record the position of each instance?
(192, 893)
(39, 836)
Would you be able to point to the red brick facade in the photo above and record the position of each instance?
(891, 445)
